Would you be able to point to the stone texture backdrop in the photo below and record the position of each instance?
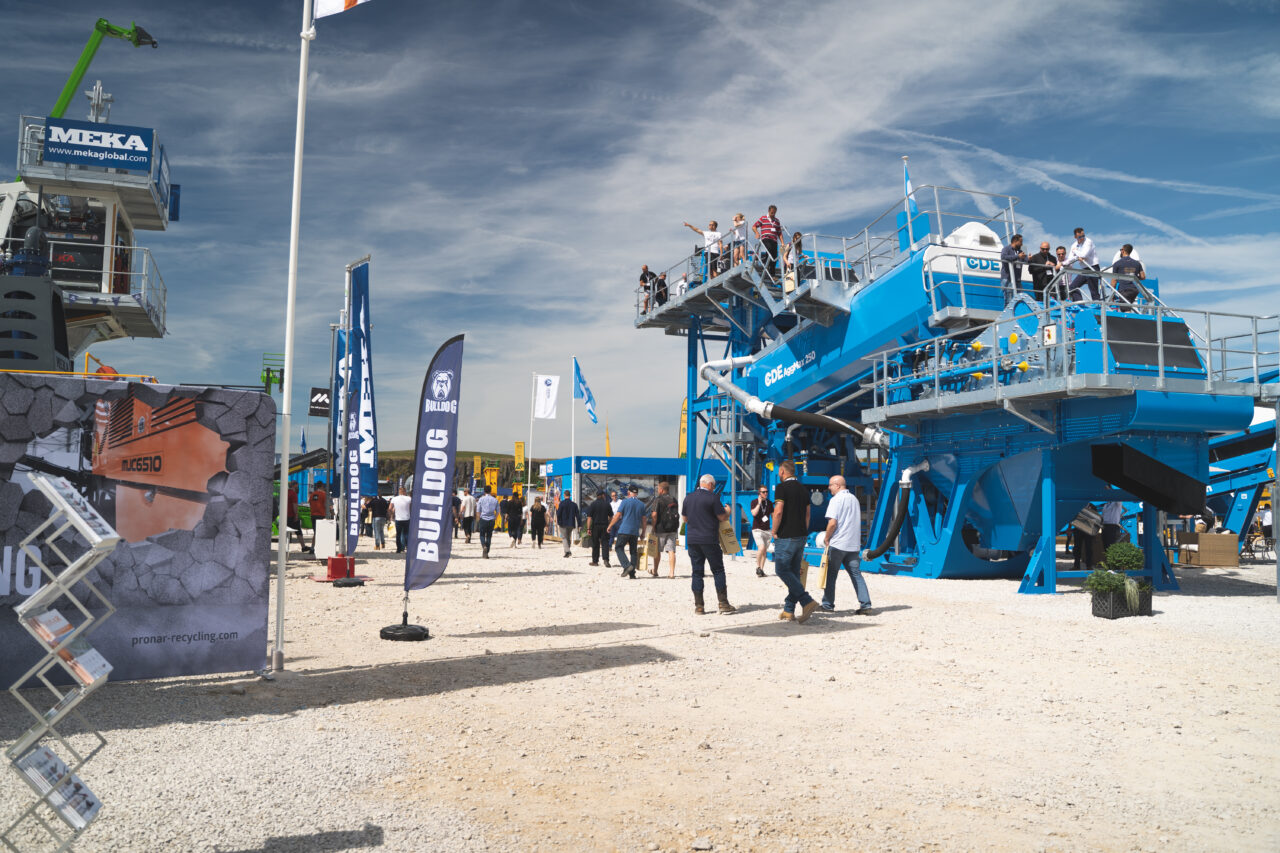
(178, 582)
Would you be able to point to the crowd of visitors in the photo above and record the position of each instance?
(1045, 267)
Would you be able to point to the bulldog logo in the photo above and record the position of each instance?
(441, 384)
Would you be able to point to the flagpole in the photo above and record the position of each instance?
(573, 421)
(528, 456)
(286, 388)
(344, 317)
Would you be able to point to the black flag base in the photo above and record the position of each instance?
(405, 632)
(348, 581)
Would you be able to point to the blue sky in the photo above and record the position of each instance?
(510, 165)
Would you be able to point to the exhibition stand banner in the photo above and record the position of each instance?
(430, 528)
(184, 475)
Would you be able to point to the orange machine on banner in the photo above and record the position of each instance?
(160, 459)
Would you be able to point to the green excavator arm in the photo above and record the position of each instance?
(135, 35)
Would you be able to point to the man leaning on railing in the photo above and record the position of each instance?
(1127, 265)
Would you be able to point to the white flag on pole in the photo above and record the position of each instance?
(333, 7)
(545, 389)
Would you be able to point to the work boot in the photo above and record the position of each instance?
(725, 606)
(807, 610)
(698, 606)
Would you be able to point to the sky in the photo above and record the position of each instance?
(510, 165)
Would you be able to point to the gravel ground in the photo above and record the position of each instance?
(560, 707)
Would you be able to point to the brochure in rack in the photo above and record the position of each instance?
(67, 794)
(84, 661)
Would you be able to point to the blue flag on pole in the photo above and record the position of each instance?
(304, 441)
(431, 512)
(582, 392)
(912, 210)
(361, 381)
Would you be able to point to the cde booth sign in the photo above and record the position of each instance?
(87, 143)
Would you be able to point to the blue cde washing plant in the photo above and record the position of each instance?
(973, 419)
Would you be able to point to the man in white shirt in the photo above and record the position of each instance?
(401, 506)
(711, 247)
(468, 513)
(1264, 521)
(1083, 255)
(1112, 532)
(844, 538)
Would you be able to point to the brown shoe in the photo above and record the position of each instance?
(725, 606)
(785, 616)
(698, 606)
(807, 610)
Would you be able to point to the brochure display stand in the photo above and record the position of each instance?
(66, 547)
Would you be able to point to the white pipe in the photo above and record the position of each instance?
(910, 471)
(711, 372)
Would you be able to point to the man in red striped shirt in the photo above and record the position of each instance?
(767, 230)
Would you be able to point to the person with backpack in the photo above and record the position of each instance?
(664, 515)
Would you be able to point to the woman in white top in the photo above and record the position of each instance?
(738, 242)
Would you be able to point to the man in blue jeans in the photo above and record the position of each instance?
(486, 515)
(790, 532)
(703, 512)
(844, 538)
(626, 521)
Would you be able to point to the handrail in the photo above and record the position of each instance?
(1222, 360)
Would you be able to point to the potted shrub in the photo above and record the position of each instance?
(1113, 592)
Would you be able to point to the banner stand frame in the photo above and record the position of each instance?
(404, 632)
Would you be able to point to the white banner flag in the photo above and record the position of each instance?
(544, 396)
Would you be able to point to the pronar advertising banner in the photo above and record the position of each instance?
(184, 475)
(86, 143)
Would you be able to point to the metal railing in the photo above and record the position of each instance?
(1245, 351)
(1066, 285)
(858, 260)
(113, 270)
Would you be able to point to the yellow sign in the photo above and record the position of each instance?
(606, 439)
(491, 478)
(477, 465)
(519, 455)
(684, 428)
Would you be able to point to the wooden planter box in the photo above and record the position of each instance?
(1112, 605)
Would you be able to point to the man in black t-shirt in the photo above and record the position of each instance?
(1126, 265)
(790, 532)
(599, 514)
(761, 522)
(702, 514)
(646, 287)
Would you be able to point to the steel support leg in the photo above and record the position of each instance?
(1042, 571)
(1155, 561)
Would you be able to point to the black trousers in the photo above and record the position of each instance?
(769, 251)
(599, 544)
